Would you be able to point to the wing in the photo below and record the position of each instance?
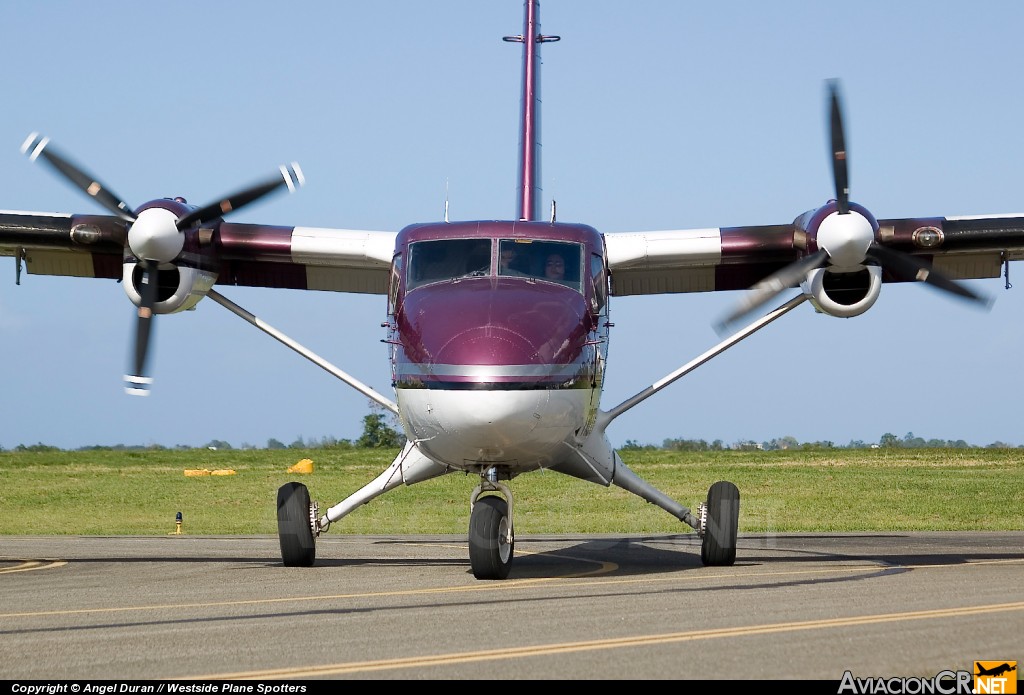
(839, 254)
(308, 258)
(697, 260)
(169, 254)
(737, 258)
(192, 245)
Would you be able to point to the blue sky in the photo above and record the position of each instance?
(657, 115)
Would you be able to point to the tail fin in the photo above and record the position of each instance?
(529, 188)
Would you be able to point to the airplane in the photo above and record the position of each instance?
(997, 671)
(498, 369)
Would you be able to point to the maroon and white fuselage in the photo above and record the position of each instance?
(495, 364)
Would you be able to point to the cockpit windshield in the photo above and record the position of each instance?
(535, 259)
(551, 261)
(448, 259)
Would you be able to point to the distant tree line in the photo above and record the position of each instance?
(381, 432)
(886, 441)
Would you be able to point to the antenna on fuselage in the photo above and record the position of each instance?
(529, 118)
(446, 200)
(554, 206)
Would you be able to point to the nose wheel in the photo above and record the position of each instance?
(491, 540)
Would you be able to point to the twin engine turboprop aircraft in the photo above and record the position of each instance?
(498, 330)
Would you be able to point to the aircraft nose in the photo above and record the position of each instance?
(511, 337)
(480, 348)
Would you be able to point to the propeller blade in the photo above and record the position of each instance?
(776, 283)
(908, 267)
(840, 171)
(36, 146)
(136, 383)
(290, 176)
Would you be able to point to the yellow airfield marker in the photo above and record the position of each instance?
(303, 466)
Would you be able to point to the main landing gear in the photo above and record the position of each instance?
(296, 519)
(491, 533)
(719, 520)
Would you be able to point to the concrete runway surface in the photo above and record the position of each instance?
(794, 606)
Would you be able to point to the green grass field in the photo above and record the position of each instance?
(139, 493)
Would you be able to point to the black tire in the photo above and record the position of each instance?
(298, 547)
(490, 555)
(718, 547)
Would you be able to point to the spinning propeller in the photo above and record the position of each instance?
(845, 240)
(156, 235)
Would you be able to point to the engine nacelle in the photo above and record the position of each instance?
(179, 288)
(843, 294)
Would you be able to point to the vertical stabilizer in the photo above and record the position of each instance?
(528, 190)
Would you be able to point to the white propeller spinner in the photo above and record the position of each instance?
(846, 238)
(154, 236)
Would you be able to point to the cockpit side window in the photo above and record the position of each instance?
(600, 280)
(447, 259)
(396, 274)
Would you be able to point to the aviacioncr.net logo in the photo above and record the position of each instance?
(996, 677)
(943, 683)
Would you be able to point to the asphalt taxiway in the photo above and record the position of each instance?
(794, 606)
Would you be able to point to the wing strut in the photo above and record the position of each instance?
(606, 416)
(308, 354)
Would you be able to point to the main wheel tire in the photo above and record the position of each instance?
(490, 548)
(298, 547)
(718, 547)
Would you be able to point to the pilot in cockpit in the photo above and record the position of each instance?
(554, 268)
(508, 261)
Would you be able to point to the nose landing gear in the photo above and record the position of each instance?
(491, 535)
